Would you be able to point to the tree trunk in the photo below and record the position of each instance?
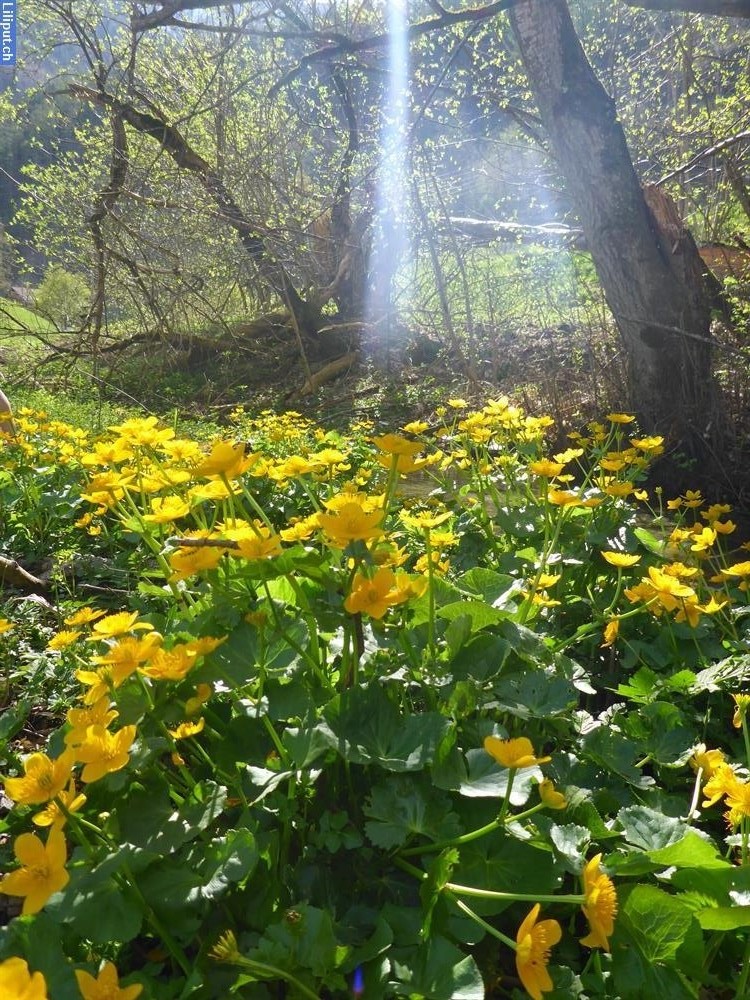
(646, 261)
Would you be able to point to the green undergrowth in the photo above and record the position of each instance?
(286, 726)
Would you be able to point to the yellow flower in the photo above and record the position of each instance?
(99, 714)
(103, 752)
(52, 815)
(648, 443)
(106, 986)
(172, 664)
(129, 653)
(721, 782)
(416, 427)
(620, 418)
(703, 540)
(621, 559)
(42, 872)
(203, 646)
(546, 468)
(550, 796)
(350, 523)
(739, 569)
(300, 530)
(611, 631)
(424, 521)
(226, 459)
(17, 983)
(188, 561)
(513, 753)
(706, 761)
(42, 780)
(262, 545)
(393, 444)
(741, 703)
(186, 729)
(618, 489)
(600, 907)
(118, 624)
(5, 626)
(738, 803)
(64, 639)
(533, 943)
(166, 509)
(202, 693)
(372, 595)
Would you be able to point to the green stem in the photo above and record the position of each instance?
(744, 974)
(521, 897)
(465, 838)
(483, 923)
(273, 972)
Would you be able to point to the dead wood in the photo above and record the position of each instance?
(14, 575)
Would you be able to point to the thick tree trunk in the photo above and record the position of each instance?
(647, 263)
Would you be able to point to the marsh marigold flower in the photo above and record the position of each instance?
(741, 705)
(600, 907)
(17, 983)
(53, 815)
(103, 752)
(722, 782)
(621, 560)
(42, 872)
(513, 753)
(42, 779)
(226, 459)
(118, 624)
(351, 523)
(611, 631)
(106, 986)
(706, 761)
(372, 595)
(550, 795)
(533, 943)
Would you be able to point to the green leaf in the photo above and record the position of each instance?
(370, 729)
(440, 971)
(481, 615)
(692, 851)
(649, 829)
(616, 754)
(482, 658)
(303, 939)
(38, 941)
(486, 583)
(402, 808)
(104, 912)
(13, 718)
(227, 860)
(635, 976)
(486, 779)
(650, 541)
(535, 695)
(656, 922)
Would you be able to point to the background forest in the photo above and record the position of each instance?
(244, 194)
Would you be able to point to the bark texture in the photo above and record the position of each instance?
(647, 262)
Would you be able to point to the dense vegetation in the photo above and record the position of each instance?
(394, 694)
(326, 728)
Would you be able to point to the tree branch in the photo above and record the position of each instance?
(350, 46)
(712, 8)
(174, 143)
(732, 140)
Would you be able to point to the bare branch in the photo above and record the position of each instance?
(712, 8)
(718, 147)
(351, 46)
